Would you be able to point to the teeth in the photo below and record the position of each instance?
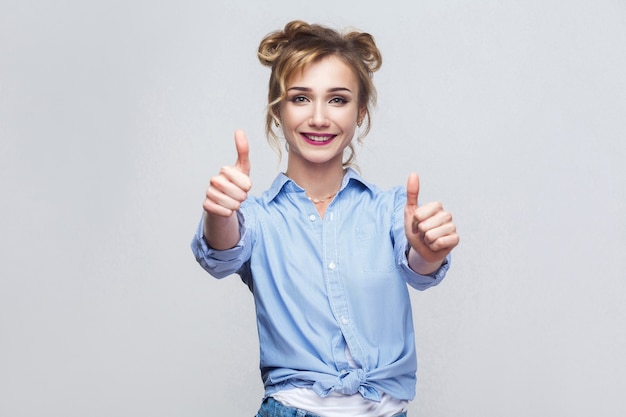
(318, 138)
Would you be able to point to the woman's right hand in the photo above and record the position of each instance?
(230, 187)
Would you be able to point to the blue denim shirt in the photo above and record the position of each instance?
(321, 284)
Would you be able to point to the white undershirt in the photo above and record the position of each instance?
(340, 405)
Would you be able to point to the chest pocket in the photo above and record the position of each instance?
(375, 249)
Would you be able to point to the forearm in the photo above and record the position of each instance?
(221, 232)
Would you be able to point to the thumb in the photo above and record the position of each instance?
(412, 190)
(241, 143)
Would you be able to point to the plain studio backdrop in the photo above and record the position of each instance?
(115, 114)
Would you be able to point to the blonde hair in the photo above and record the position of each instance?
(300, 44)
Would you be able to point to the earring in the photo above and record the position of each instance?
(276, 123)
(359, 122)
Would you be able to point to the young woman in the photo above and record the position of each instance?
(327, 255)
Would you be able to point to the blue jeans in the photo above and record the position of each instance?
(272, 408)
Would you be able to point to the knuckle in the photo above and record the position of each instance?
(246, 185)
(215, 181)
(210, 193)
(433, 247)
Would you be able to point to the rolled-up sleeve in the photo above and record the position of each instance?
(221, 263)
(422, 282)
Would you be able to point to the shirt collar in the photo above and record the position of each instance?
(283, 183)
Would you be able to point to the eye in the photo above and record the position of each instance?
(338, 100)
(298, 99)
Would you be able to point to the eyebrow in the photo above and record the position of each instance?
(330, 90)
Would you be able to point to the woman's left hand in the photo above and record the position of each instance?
(429, 230)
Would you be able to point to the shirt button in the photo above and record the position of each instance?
(312, 217)
(345, 320)
(332, 265)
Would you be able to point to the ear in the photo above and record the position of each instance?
(361, 116)
(277, 118)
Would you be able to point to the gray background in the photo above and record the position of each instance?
(114, 115)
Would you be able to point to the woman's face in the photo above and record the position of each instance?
(319, 115)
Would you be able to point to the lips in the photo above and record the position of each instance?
(317, 139)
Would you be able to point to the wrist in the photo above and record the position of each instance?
(421, 266)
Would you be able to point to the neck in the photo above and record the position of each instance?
(320, 182)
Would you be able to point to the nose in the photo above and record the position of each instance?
(319, 117)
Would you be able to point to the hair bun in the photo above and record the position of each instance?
(365, 44)
(272, 45)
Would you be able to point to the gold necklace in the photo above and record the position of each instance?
(321, 200)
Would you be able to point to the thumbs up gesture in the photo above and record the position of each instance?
(230, 187)
(429, 230)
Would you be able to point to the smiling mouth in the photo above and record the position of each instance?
(318, 138)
